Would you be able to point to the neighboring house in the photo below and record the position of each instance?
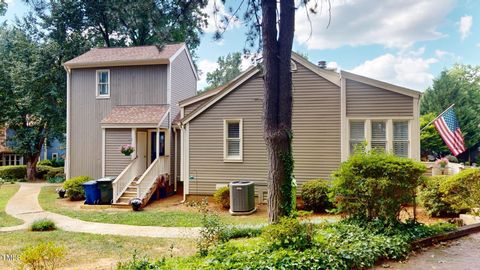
(54, 150)
(118, 96)
(9, 157)
(222, 132)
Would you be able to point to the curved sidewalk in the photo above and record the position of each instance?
(24, 205)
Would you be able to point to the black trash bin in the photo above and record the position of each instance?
(106, 189)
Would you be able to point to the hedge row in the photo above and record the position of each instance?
(20, 172)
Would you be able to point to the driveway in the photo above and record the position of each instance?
(460, 254)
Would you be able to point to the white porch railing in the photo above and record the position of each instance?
(125, 178)
(159, 167)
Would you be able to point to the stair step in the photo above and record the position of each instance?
(132, 189)
(124, 200)
(121, 205)
(129, 193)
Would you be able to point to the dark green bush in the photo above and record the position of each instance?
(375, 185)
(42, 225)
(462, 191)
(74, 187)
(13, 172)
(222, 196)
(432, 199)
(315, 195)
(52, 162)
(288, 233)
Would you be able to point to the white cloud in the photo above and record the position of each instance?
(402, 69)
(204, 67)
(390, 23)
(464, 26)
(215, 11)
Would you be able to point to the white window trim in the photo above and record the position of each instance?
(389, 132)
(227, 158)
(97, 93)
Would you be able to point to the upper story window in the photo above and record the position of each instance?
(103, 83)
(233, 140)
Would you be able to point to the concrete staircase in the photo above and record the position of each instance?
(129, 194)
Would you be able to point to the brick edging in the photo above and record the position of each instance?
(460, 232)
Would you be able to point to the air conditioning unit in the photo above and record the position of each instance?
(242, 197)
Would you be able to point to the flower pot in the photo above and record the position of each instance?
(136, 207)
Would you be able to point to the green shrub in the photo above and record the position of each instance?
(44, 172)
(462, 191)
(375, 185)
(315, 195)
(42, 225)
(432, 199)
(56, 179)
(42, 257)
(45, 162)
(74, 187)
(210, 233)
(452, 159)
(13, 172)
(141, 263)
(222, 196)
(288, 233)
(234, 232)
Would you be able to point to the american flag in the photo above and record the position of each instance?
(449, 129)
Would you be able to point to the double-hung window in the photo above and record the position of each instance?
(379, 135)
(233, 141)
(401, 140)
(103, 83)
(357, 134)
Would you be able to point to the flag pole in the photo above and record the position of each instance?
(437, 117)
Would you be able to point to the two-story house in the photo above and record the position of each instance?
(119, 96)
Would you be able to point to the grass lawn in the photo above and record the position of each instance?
(90, 251)
(6, 192)
(154, 215)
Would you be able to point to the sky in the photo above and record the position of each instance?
(407, 42)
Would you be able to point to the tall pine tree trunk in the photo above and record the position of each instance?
(277, 121)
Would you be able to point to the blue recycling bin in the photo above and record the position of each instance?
(92, 193)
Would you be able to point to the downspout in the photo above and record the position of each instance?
(67, 158)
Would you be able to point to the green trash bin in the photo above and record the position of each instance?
(106, 190)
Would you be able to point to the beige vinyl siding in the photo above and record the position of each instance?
(191, 107)
(316, 118)
(316, 126)
(115, 161)
(136, 85)
(183, 86)
(366, 100)
(184, 83)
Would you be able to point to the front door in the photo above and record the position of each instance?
(142, 148)
(152, 149)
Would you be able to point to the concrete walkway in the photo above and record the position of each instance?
(24, 205)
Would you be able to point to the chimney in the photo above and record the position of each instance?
(322, 64)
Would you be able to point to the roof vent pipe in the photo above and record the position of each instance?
(322, 64)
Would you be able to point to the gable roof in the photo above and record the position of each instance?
(330, 75)
(136, 115)
(130, 56)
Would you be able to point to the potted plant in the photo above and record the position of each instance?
(136, 204)
(442, 164)
(61, 192)
(127, 149)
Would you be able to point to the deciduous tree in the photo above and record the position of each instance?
(229, 67)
